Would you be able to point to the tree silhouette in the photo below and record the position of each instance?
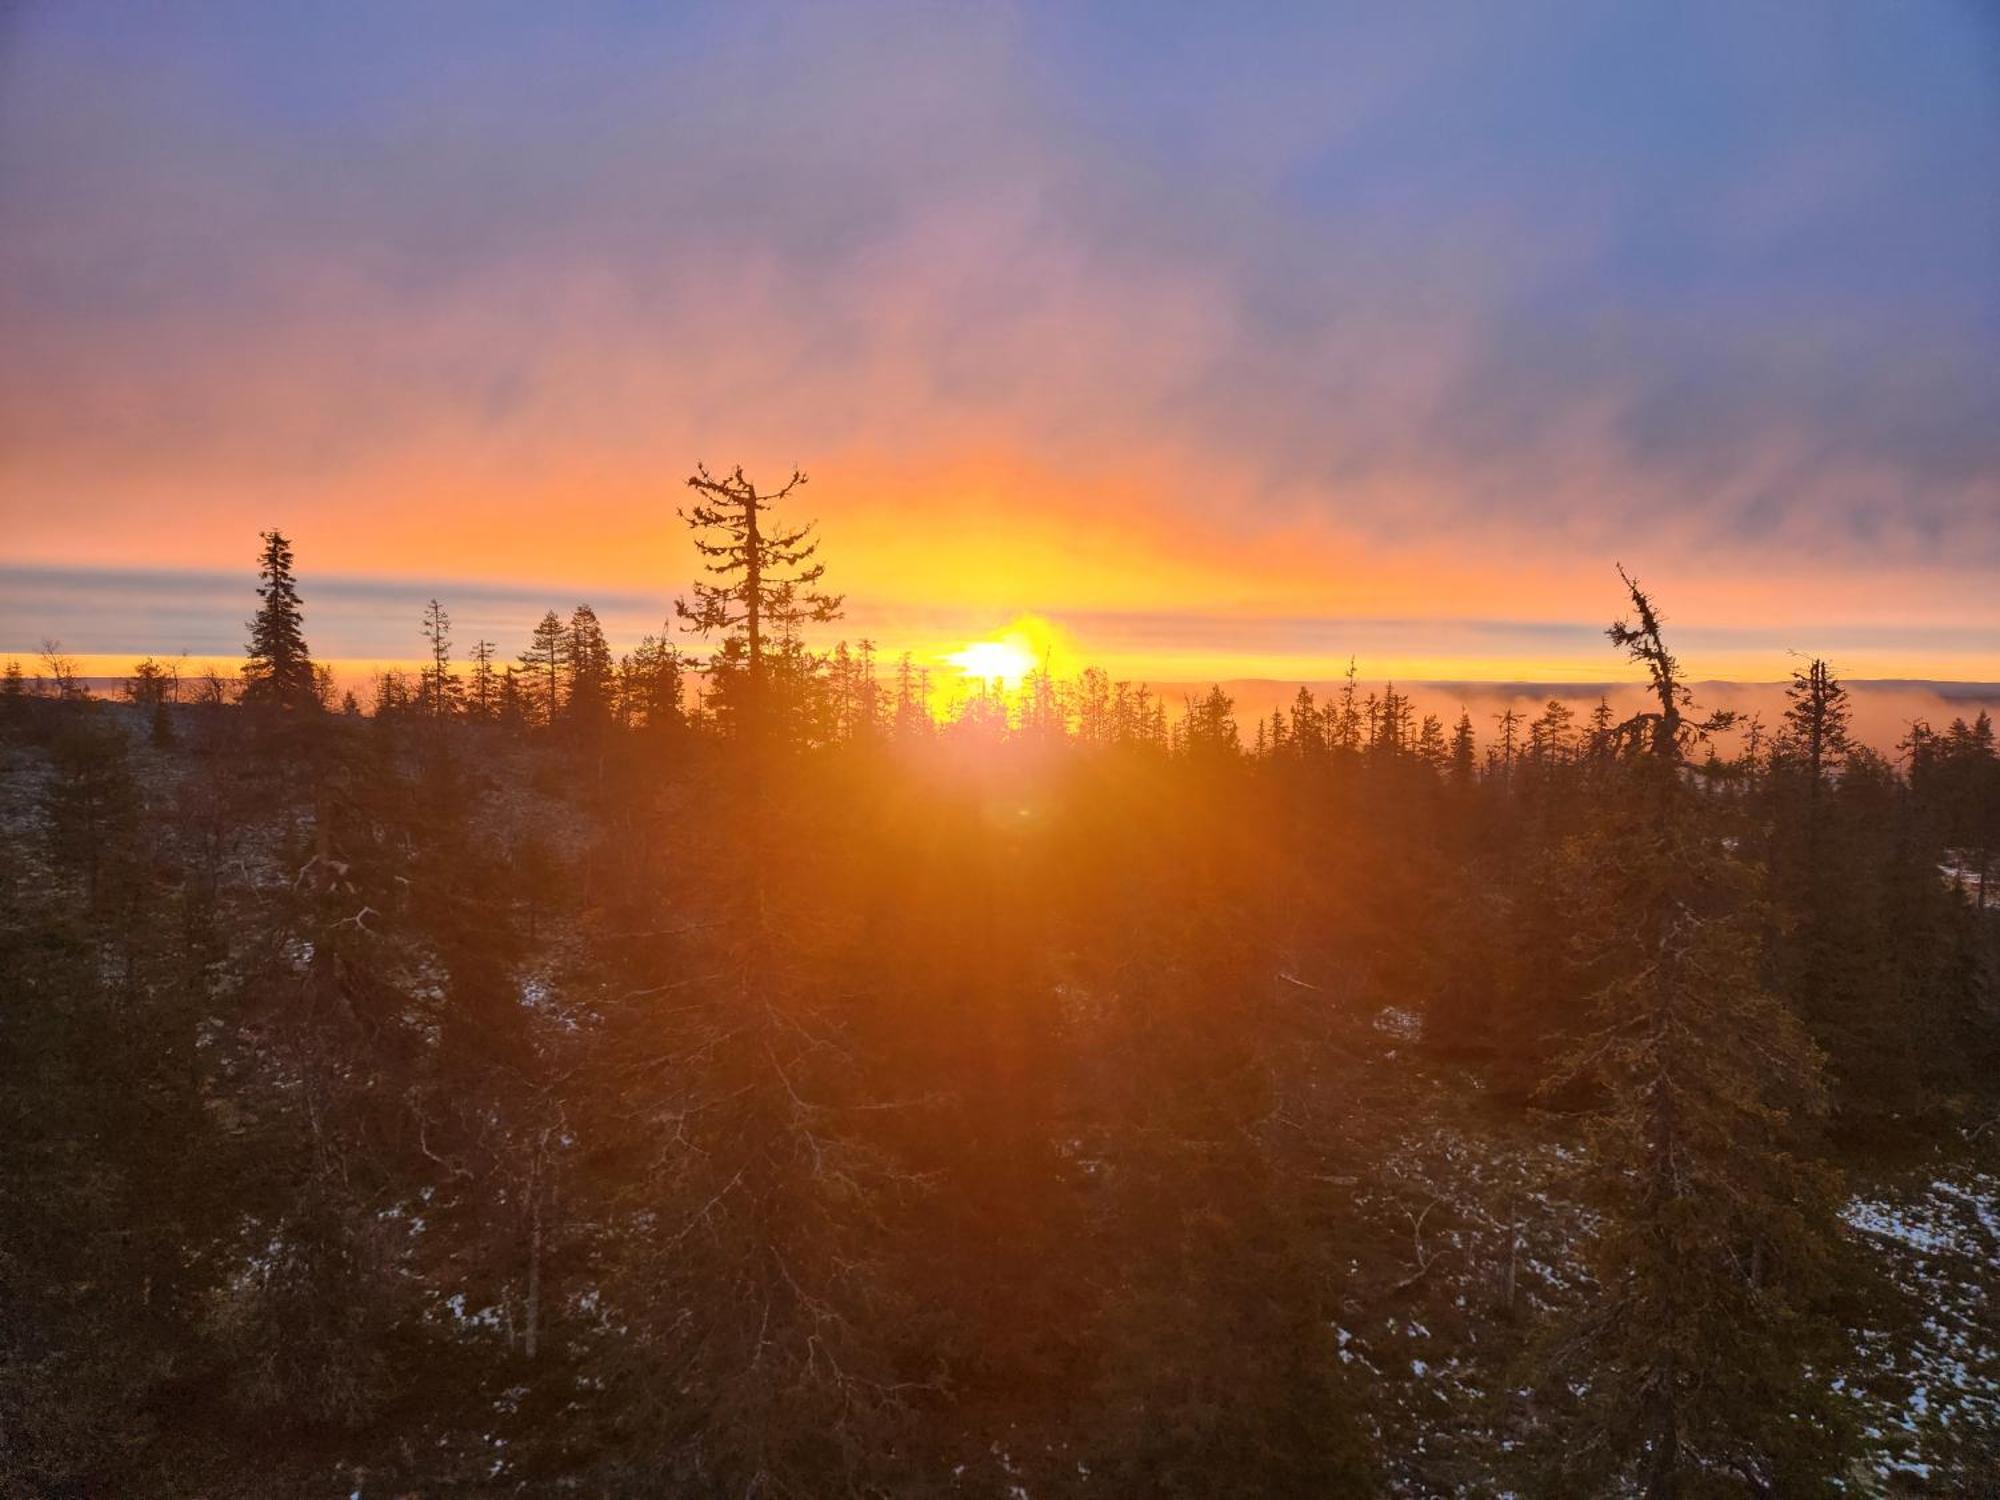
(439, 689)
(546, 663)
(588, 706)
(765, 579)
(1817, 718)
(1713, 1262)
(279, 672)
(1059, 1094)
(483, 697)
(1667, 728)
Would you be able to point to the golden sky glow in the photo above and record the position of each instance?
(1226, 372)
(1006, 662)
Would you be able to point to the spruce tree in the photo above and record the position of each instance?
(1308, 724)
(13, 693)
(152, 686)
(1823, 963)
(1816, 738)
(1344, 720)
(1817, 716)
(279, 671)
(1602, 722)
(1208, 729)
(912, 708)
(587, 709)
(1430, 747)
(1695, 1356)
(766, 585)
(1463, 750)
(392, 696)
(1508, 748)
(512, 707)
(483, 694)
(546, 665)
(439, 688)
(650, 686)
(1551, 738)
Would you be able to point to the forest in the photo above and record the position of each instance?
(708, 1070)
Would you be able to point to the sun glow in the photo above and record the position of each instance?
(1005, 661)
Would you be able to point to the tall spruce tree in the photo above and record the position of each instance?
(440, 690)
(1824, 964)
(546, 666)
(1695, 1356)
(912, 715)
(766, 586)
(279, 671)
(1464, 750)
(1817, 717)
(587, 709)
(482, 699)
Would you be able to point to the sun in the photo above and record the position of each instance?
(1009, 657)
(1006, 661)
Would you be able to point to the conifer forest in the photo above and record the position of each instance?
(713, 1069)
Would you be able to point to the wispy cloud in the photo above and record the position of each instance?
(1134, 315)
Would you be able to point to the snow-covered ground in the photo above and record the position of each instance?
(1929, 1381)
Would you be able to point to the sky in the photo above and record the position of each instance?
(1217, 341)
